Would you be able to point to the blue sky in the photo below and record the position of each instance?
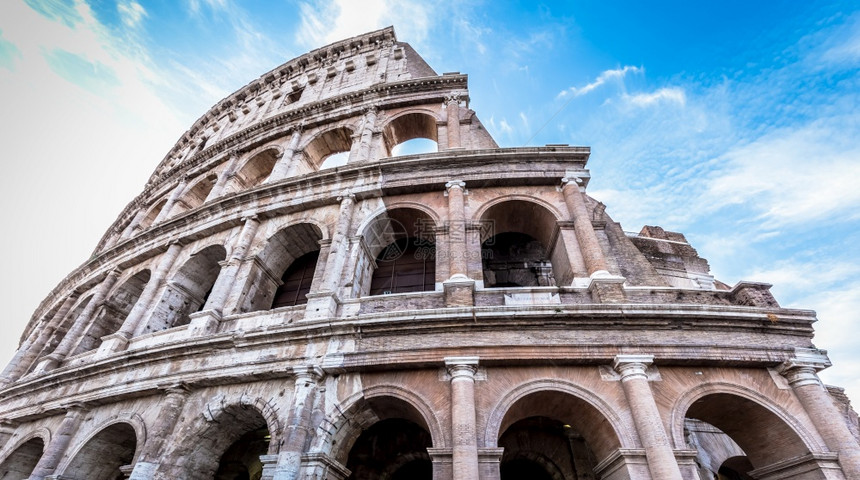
(733, 122)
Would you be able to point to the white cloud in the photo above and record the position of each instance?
(131, 13)
(793, 175)
(603, 78)
(667, 94)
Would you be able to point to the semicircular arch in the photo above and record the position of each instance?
(41, 433)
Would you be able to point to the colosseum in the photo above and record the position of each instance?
(289, 298)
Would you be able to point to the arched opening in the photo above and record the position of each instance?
(63, 328)
(151, 215)
(228, 448)
(393, 445)
(520, 246)
(402, 242)
(194, 195)
(187, 291)
(554, 435)
(410, 134)
(23, 460)
(102, 457)
(322, 151)
(756, 436)
(113, 312)
(284, 270)
(256, 170)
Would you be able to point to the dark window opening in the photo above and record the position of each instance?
(295, 96)
(514, 259)
(407, 265)
(297, 281)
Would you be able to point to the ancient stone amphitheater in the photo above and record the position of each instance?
(289, 298)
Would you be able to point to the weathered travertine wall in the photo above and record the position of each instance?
(468, 313)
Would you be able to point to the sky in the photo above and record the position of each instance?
(733, 122)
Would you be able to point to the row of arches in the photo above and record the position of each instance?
(407, 133)
(546, 432)
(395, 253)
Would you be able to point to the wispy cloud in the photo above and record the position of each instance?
(132, 13)
(667, 95)
(602, 79)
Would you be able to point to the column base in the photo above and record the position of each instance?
(113, 343)
(204, 323)
(46, 364)
(320, 465)
(321, 305)
(270, 464)
(606, 288)
(812, 466)
(459, 291)
(624, 463)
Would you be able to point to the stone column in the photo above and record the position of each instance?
(298, 424)
(168, 417)
(31, 348)
(227, 275)
(55, 450)
(138, 217)
(366, 138)
(452, 110)
(339, 244)
(286, 167)
(649, 424)
(595, 262)
(171, 200)
(135, 317)
(457, 247)
(224, 177)
(73, 336)
(801, 375)
(463, 418)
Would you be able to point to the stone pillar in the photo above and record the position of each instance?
(168, 417)
(55, 450)
(171, 201)
(339, 243)
(463, 418)
(134, 319)
(73, 336)
(298, 424)
(132, 226)
(31, 348)
(224, 177)
(649, 424)
(366, 138)
(452, 110)
(227, 275)
(457, 251)
(286, 167)
(7, 430)
(588, 244)
(818, 404)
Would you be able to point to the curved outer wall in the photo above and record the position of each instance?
(532, 315)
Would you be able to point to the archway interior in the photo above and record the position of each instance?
(403, 243)
(546, 449)
(103, 455)
(152, 214)
(194, 196)
(329, 144)
(393, 448)
(23, 460)
(60, 333)
(241, 461)
(410, 134)
(759, 433)
(188, 290)
(556, 434)
(513, 259)
(284, 270)
(715, 450)
(519, 246)
(229, 448)
(735, 468)
(296, 281)
(113, 312)
(254, 172)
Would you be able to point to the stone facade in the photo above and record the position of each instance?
(260, 311)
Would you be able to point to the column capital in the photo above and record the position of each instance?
(573, 181)
(632, 365)
(176, 389)
(308, 373)
(346, 196)
(458, 367)
(251, 218)
(452, 98)
(455, 184)
(75, 408)
(803, 367)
